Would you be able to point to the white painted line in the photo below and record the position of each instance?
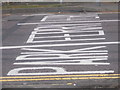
(51, 54)
(40, 63)
(82, 31)
(90, 48)
(83, 50)
(70, 24)
(28, 23)
(82, 28)
(97, 17)
(66, 35)
(60, 45)
(93, 28)
(68, 39)
(83, 16)
(67, 51)
(67, 28)
(60, 52)
(101, 33)
(44, 18)
(38, 57)
(73, 20)
(84, 21)
(31, 38)
(86, 35)
(67, 22)
(69, 18)
(35, 14)
(58, 70)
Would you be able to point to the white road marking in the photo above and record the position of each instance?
(50, 28)
(69, 18)
(101, 33)
(82, 31)
(69, 51)
(31, 38)
(82, 56)
(35, 14)
(92, 28)
(66, 35)
(60, 45)
(58, 70)
(90, 60)
(84, 16)
(86, 35)
(54, 54)
(89, 48)
(44, 18)
(68, 22)
(53, 63)
(59, 51)
(34, 55)
(83, 21)
(67, 39)
(97, 17)
(64, 28)
(27, 57)
(64, 25)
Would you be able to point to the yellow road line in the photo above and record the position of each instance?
(43, 79)
(61, 76)
(69, 83)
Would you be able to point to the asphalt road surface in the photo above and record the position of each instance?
(60, 51)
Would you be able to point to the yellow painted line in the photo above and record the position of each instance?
(69, 83)
(61, 76)
(44, 79)
(63, 84)
(57, 84)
